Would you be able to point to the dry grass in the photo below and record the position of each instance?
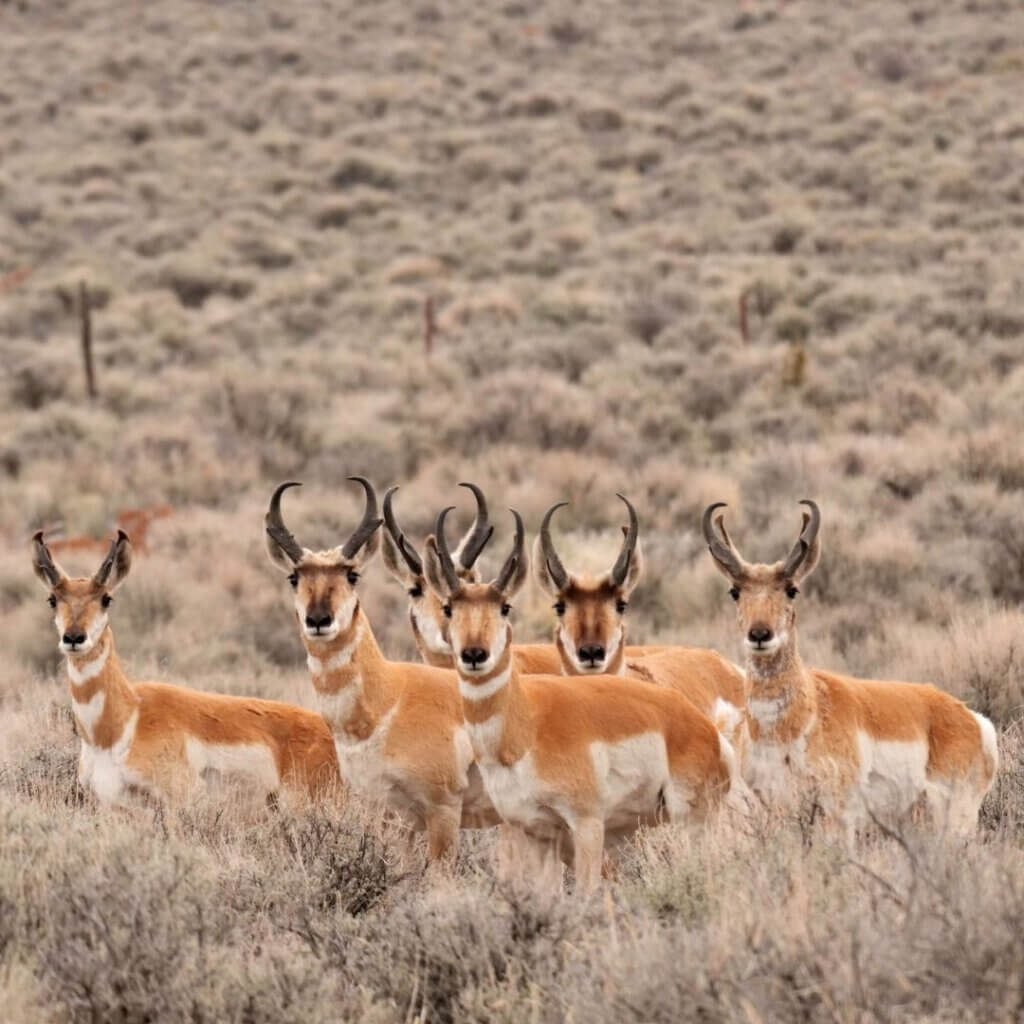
(262, 199)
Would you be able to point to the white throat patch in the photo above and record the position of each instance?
(90, 670)
(473, 692)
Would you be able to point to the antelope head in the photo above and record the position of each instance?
(765, 595)
(430, 625)
(477, 613)
(324, 581)
(81, 604)
(590, 632)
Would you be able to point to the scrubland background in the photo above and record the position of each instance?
(261, 199)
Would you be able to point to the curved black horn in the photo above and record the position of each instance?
(479, 533)
(276, 529)
(408, 551)
(370, 522)
(556, 570)
(621, 567)
(721, 550)
(451, 577)
(515, 559)
(808, 535)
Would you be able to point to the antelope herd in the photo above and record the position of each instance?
(568, 747)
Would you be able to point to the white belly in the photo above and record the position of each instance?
(220, 764)
(632, 775)
(893, 774)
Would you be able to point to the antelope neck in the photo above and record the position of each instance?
(102, 698)
(499, 722)
(782, 696)
(352, 666)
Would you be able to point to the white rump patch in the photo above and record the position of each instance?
(727, 717)
(989, 741)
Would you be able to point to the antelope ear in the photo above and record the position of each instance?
(393, 560)
(520, 571)
(541, 572)
(47, 571)
(635, 570)
(278, 556)
(432, 568)
(116, 566)
(367, 552)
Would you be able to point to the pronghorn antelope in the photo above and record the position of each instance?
(429, 625)
(590, 634)
(397, 727)
(571, 764)
(159, 740)
(861, 747)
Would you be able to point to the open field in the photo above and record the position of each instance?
(262, 200)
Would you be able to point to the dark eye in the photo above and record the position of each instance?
(52, 601)
(416, 591)
(447, 609)
(106, 600)
(791, 591)
(559, 608)
(621, 606)
(353, 577)
(294, 579)
(734, 593)
(505, 609)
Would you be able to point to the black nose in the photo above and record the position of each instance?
(74, 639)
(473, 656)
(318, 621)
(592, 653)
(759, 634)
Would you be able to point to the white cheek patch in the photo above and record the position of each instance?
(343, 616)
(431, 632)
